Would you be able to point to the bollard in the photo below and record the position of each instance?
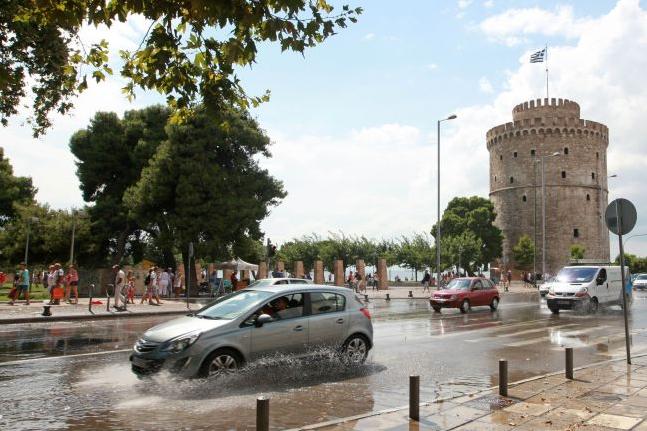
(503, 377)
(262, 414)
(90, 301)
(414, 397)
(365, 297)
(388, 298)
(107, 301)
(410, 294)
(569, 363)
(46, 310)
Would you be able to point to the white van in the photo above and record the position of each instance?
(587, 287)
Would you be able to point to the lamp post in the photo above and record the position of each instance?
(74, 214)
(30, 220)
(543, 211)
(451, 117)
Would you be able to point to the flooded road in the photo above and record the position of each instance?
(77, 376)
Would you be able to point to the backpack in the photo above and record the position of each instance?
(147, 280)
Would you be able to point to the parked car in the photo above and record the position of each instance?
(587, 287)
(464, 293)
(640, 282)
(258, 321)
(278, 281)
(545, 286)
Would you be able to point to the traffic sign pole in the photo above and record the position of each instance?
(625, 310)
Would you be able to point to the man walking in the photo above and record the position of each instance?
(425, 282)
(23, 284)
(120, 282)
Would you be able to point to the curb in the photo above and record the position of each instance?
(504, 296)
(62, 318)
(441, 400)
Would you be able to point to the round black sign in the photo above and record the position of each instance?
(623, 210)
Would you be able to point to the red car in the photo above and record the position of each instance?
(465, 293)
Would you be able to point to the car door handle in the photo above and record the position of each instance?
(298, 328)
(340, 320)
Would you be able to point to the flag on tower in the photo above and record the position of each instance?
(538, 57)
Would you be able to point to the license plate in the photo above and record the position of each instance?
(562, 302)
(139, 362)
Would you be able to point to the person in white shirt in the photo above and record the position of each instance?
(165, 280)
(120, 282)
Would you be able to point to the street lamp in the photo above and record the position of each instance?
(30, 220)
(451, 117)
(543, 209)
(74, 214)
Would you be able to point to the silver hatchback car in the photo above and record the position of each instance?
(255, 322)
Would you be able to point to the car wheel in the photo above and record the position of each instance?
(465, 306)
(355, 349)
(494, 304)
(593, 305)
(436, 308)
(554, 310)
(221, 362)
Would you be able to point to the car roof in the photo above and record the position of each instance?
(284, 288)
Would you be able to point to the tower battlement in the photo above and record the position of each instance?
(563, 108)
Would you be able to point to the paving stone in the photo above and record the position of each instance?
(490, 402)
(505, 418)
(618, 389)
(614, 421)
(482, 426)
(624, 409)
(436, 408)
(642, 426)
(532, 409)
(573, 415)
(543, 423)
(636, 400)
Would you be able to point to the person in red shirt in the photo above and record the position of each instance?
(234, 281)
(71, 284)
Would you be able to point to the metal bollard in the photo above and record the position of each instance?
(91, 288)
(107, 300)
(410, 294)
(262, 414)
(414, 397)
(46, 310)
(569, 363)
(503, 377)
(388, 298)
(366, 298)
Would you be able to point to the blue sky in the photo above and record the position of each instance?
(353, 122)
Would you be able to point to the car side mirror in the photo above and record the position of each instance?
(262, 320)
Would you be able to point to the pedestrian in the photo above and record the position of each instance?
(155, 293)
(376, 280)
(148, 287)
(178, 284)
(330, 277)
(164, 283)
(130, 287)
(425, 281)
(58, 290)
(120, 282)
(171, 281)
(22, 285)
(234, 281)
(71, 284)
(509, 279)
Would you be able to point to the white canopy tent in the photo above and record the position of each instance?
(236, 265)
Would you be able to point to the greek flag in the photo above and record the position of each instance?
(538, 57)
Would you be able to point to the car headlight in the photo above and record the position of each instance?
(180, 344)
(551, 290)
(453, 297)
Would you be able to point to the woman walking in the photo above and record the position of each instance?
(130, 287)
(71, 284)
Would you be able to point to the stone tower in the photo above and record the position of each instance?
(576, 180)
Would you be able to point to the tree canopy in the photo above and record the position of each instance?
(189, 53)
(14, 191)
(524, 252)
(577, 251)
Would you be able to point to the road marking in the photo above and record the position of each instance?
(49, 358)
(531, 331)
(566, 334)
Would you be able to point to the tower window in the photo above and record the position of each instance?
(597, 155)
(511, 180)
(532, 152)
(500, 157)
(524, 198)
(576, 233)
(588, 197)
(592, 175)
(514, 154)
(563, 174)
(495, 178)
(565, 150)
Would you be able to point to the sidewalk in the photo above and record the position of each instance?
(608, 396)
(22, 313)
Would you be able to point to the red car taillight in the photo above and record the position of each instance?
(366, 313)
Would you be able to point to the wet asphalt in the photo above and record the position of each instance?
(76, 375)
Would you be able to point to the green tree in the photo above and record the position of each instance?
(524, 252)
(111, 153)
(635, 263)
(415, 252)
(190, 52)
(476, 215)
(465, 248)
(577, 251)
(14, 191)
(205, 184)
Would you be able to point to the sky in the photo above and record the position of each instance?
(353, 121)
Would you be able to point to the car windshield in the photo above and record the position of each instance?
(233, 305)
(459, 283)
(262, 283)
(642, 277)
(576, 275)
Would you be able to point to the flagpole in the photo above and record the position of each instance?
(547, 95)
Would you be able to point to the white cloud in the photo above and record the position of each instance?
(488, 4)
(513, 26)
(464, 4)
(369, 36)
(432, 66)
(485, 85)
